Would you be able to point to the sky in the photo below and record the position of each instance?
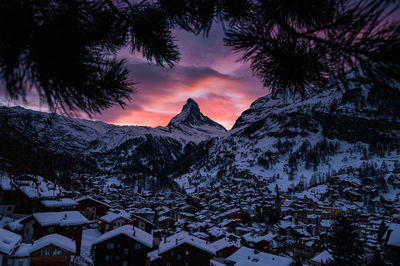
(208, 72)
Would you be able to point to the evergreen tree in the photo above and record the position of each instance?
(66, 49)
(377, 259)
(344, 242)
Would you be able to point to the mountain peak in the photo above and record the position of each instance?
(191, 106)
(191, 116)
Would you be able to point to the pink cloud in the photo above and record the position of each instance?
(208, 72)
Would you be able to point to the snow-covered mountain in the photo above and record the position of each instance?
(109, 147)
(191, 121)
(292, 140)
(289, 140)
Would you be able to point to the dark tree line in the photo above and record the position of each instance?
(66, 49)
(313, 155)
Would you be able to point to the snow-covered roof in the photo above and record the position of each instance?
(322, 257)
(221, 244)
(56, 240)
(64, 202)
(39, 187)
(244, 256)
(130, 231)
(23, 250)
(229, 212)
(256, 238)
(8, 241)
(93, 199)
(177, 240)
(66, 218)
(394, 239)
(108, 218)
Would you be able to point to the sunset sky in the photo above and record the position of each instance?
(207, 72)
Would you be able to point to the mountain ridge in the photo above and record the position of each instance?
(294, 138)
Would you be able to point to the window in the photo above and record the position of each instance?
(179, 257)
(56, 252)
(138, 246)
(20, 263)
(126, 251)
(47, 252)
(187, 252)
(9, 208)
(50, 229)
(108, 257)
(172, 253)
(110, 245)
(168, 264)
(124, 263)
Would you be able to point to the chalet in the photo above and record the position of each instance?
(247, 256)
(30, 190)
(165, 222)
(224, 247)
(392, 242)
(261, 243)
(234, 214)
(7, 196)
(53, 249)
(126, 245)
(68, 224)
(91, 208)
(9, 242)
(330, 212)
(306, 248)
(112, 221)
(142, 223)
(56, 205)
(181, 249)
(146, 213)
(352, 195)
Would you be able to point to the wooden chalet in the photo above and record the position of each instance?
(112, 221)
(92, 208)
(68, 224)
(126, 245)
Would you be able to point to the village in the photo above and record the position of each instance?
(234, 222)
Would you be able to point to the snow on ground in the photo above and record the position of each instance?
(88, 237)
